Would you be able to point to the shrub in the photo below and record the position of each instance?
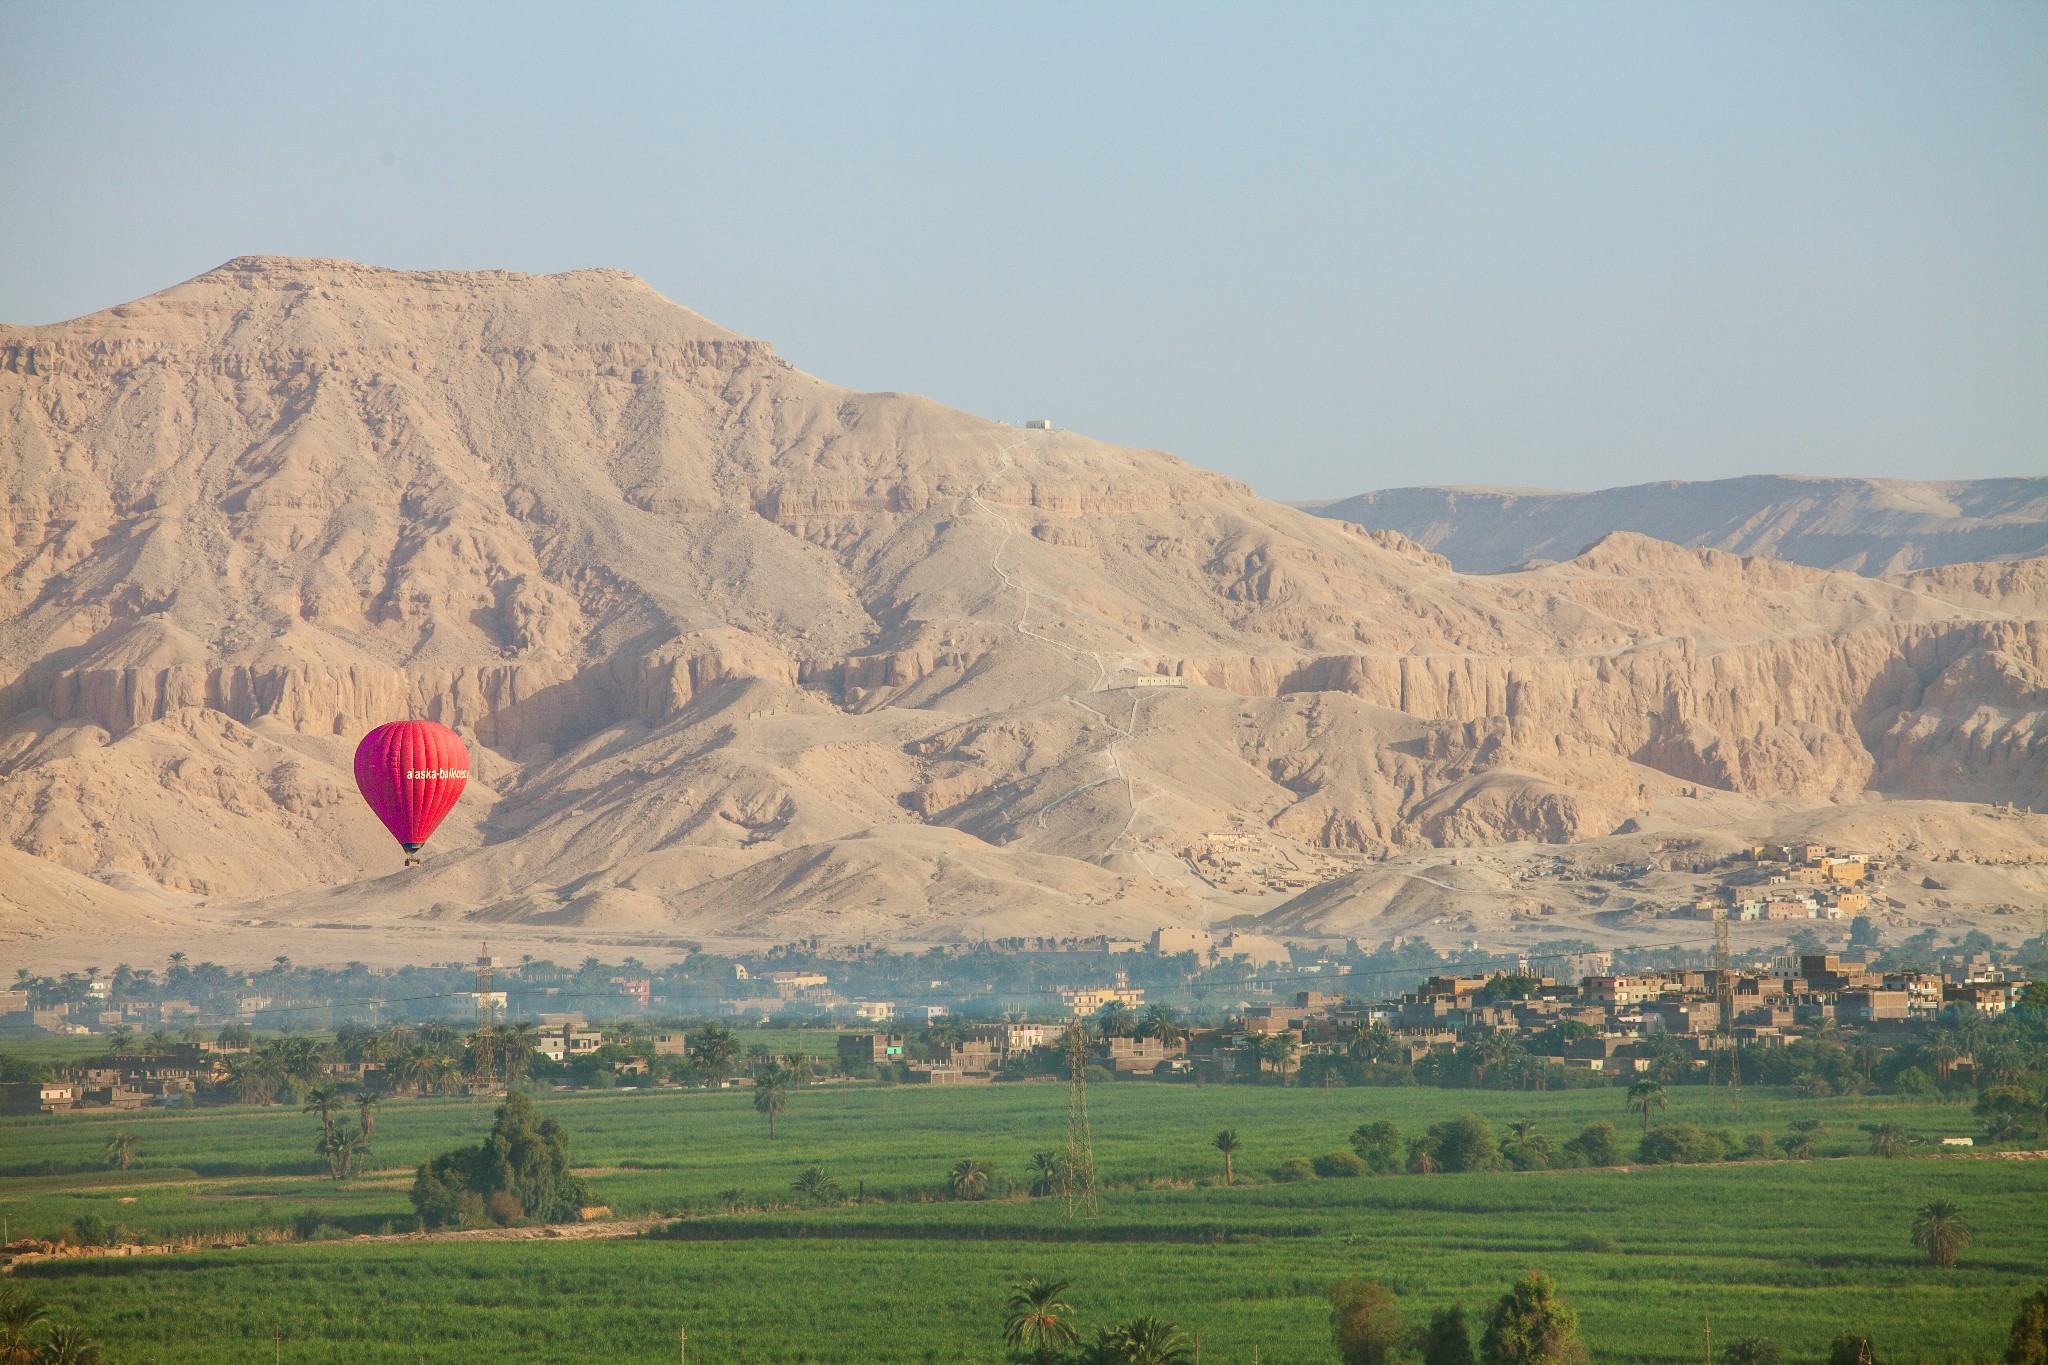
(1339, 1164)
(1379, 1146)
(1465, 1143)
(1531, 1325)
(311, 1225)
(1447, 1340)
(1752, 1351)
(1851, 1348)
(2029, 1342)
(1364, 1324)
(526, 1156)
(503, 1208)
(1598, 1242)
(92, 1230)
(1598, 1144)
(1682, 1143)
(1296, 1168)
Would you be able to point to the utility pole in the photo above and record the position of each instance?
(1707, 1330)
(682, 1346)
(277, 1341)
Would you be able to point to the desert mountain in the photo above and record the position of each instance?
(1866, 526)
(741, 655)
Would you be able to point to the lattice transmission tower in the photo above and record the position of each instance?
(1724, 996)
(1077, 1180)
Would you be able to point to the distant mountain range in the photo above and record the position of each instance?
(1868, 526)
(742, 656)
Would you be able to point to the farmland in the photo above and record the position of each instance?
(1793, 1250)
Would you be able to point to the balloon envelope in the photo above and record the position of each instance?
(411, 772)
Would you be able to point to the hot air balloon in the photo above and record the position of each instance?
(411, 772)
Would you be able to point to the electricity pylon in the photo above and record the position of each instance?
(1724, 995)
(1077, 1181)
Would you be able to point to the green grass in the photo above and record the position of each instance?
(1797, 1251)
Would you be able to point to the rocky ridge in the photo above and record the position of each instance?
(743, 654)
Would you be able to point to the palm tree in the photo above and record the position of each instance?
(68, 1345)
(771, 1093)
(798, 1067)
(1279, 1049)
(249, 1080)
(713, 1051)
(1940, 1230)
(119, 1150)
(1226, 1142)
(355, 1149)
(324, 1100)
(20, 1319)
(1048, 1174)
(1799, 1142)
(1163, 1024)
(121, 1042)
(969, 1178)
(516, 1045)
(366, 1110)
(816, 1185)
(1142, 1341)
(1037, 1321)
(1115, 1020)
(1647, 1096)
(1888, 1139)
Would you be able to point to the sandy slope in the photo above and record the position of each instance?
(743, 655)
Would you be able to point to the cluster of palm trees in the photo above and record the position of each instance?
(1162, 1022)
(344, 1146)
(1040, 1327)
(28, 1335)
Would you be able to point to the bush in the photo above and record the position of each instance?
(1682, 1143)
(503, 1208)
(92, 1230)
(1296, 1168)
(1339, 1165)
(1447, 1340)
(1465, 1143)
(315, 1226)
(1531, 1325)
(1752, 1351)
(1379, 1146)
(1598, 1144)
(1364, 1324)
(526, 1157)
(1851, 1348)
(1597, 1242)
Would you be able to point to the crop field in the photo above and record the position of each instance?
(1794, 1250)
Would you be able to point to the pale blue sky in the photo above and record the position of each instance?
(1322, 248)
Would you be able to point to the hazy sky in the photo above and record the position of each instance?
(1322, 248)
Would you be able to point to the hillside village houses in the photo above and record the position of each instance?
(1624, 1024)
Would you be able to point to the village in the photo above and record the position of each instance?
(1529, 1021)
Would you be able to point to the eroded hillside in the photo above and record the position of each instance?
(743, 654)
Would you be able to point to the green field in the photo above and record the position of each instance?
(1794, 1250)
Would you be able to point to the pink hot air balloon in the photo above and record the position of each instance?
(411, 772)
